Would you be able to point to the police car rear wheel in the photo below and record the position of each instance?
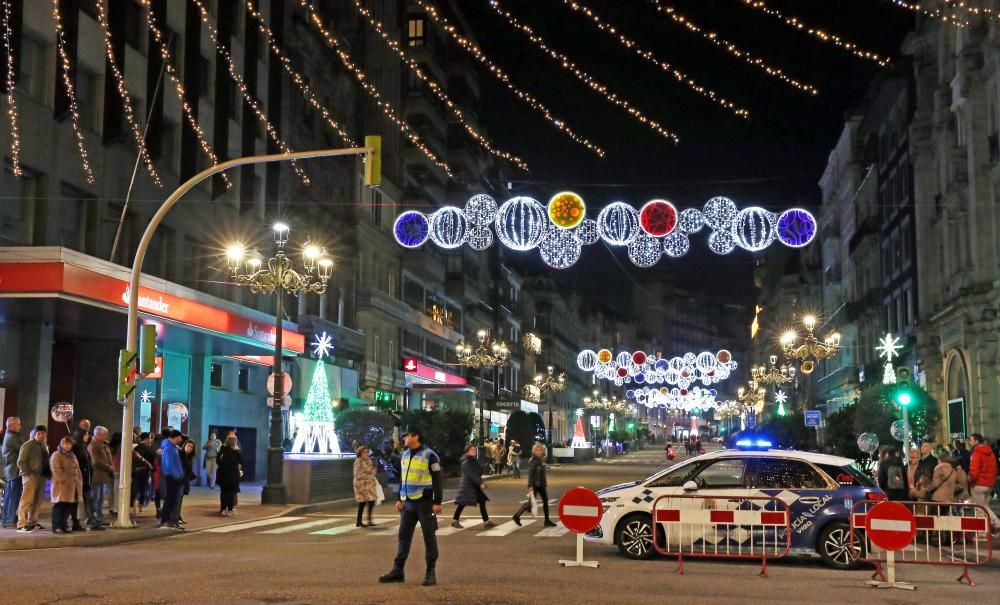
(635, 536)
(836, 549)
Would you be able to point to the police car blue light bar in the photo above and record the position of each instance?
(759, 444)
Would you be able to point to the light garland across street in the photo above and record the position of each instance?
(637, 367)
(561, 229)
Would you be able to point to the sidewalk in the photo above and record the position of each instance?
(200, 509)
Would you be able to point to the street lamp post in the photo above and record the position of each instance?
(132, 327)
(551, 384)
(811, 350)
(277, 275)
(489, 354)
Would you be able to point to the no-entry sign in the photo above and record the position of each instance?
(890, 525)
(580, 510)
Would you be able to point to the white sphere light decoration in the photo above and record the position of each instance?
(645, 251)
(481, 210)
(479, 238)
(721, 242)
(755, 229)
(559, 249)
(520, 223)
(448, 227)
(720, 213)
(587, 360)
(586, 232)
(691, 220)
(676, 244)
(618, 223)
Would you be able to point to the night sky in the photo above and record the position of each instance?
(774, 159)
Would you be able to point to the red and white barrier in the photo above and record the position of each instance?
(707, 526)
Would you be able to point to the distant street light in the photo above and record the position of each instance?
(489, 354)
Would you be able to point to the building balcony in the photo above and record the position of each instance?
(430, 324)
(376, 375)
(425, 265)
(868, 227)
(369, 298)
(462, 288)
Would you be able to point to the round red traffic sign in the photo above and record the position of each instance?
(890, 525)
(580, 510)
(286, 384)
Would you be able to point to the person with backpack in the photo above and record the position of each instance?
(891, 475)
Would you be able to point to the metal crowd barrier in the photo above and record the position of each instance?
(949, 533)
(750, 527)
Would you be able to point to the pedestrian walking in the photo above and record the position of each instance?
(537, 486)
(891, 476)
(983, 476)
(499, 457)
(172, 471)
(142, 470)
(230, 472)
(211, 449)
(420, 495)
(471, 489)
(67, 486)
(514, 458)
(33, 465)
(365, 484)
(102, 471)
(12, 442)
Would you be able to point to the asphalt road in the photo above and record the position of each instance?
(311, 560)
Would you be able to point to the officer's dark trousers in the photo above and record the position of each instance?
(413, 511)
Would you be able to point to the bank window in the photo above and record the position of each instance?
(216, 376)
(243, 379)
(415, 28)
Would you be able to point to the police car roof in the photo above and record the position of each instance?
(808, 456)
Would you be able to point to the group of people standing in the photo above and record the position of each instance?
(499, 456)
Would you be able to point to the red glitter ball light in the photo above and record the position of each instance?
(622, 372)
(658, 218)
(638, 358)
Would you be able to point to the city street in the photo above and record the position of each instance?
(323, 558)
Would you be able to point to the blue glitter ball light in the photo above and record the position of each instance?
(411, 229)
(796, 227)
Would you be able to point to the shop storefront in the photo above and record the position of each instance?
(62, 322)
(430, 388)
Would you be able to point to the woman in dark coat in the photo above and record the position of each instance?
(537, 485)
(230, 470)
(470, 489)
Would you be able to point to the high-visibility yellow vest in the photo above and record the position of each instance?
(416, 470)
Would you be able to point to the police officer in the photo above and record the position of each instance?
(420, 494)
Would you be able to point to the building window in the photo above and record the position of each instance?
(206, 79)
(243, 379)
(375, 200)
(77, 224)
(17, 211)
(375, 355)
(216, 376)
(134, 26)
(415, 31)
(168, 145)
(34, 68)
(87, 97)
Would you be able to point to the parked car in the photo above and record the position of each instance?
(820, 491)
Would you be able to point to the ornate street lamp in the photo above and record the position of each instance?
(773, 374)
(811, 350)
(489, 354)
(550, 383)
(278, 275)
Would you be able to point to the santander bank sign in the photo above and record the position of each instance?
(148, 303)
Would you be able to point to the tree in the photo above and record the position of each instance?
(789, 431)
(525, 428)
(363, 426)
(445, 431)
(840, 433)
(876, 412)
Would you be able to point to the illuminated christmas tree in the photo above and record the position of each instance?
(579, 439)
(318, 407)
(316, 434)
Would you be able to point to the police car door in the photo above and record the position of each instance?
(720, 485)
(801, 487)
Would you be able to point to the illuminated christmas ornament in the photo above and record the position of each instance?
(481, 210)
(586, 360)
(559, 249)
(622, 372)
(676, 244)
(411, 229)
(618, 223)
(520, 223)
(724, 356)
(604, 356)
(448, 227)
(705, 362)
(720, 213)
(721, 242)
(796, 227)
(567, 210)
(645, 251)
(638, 358)
(479, 238)
(624, 359)
(691, 220)
(658, 217)
(755, 228)
(586, 232)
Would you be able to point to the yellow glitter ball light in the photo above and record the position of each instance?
(567, 210)
(604, 356)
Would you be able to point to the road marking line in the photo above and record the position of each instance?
(447, 531)
(290, 528)
(553, 532)
(388, 531)
(334, 531)
(261, 523)
(505, 529)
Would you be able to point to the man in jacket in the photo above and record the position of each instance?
(172, 474)
(33, 465)
(891, 476)
(102, 471)
(211, 447)
(12, 442)
(983, 476)
(926, 465)
(421, 491)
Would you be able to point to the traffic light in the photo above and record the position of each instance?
(126, 371)
(147, 349)
(373, 161)
(903, 392)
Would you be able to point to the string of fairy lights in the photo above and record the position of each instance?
(567, 65)
(286, 64)
(74, 108)
(436, 89)
(15, 132)
(373, 91)
(815, 32)
(234, 75)
(181, 93)
(727, 45)
(504, 78)
(935, 13)
(975, 10)
(627, 43)
(133, 123)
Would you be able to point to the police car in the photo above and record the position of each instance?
(820, 491)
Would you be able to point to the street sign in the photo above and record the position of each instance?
(286, 384)
(813, 418)
(580, 510)
(752, 421)
(890, 525)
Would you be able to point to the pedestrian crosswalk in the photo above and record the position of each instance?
(328, 526)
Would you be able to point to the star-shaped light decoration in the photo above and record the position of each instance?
(322, 345)
(889, 347)
(146, 397)
(780, 397)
